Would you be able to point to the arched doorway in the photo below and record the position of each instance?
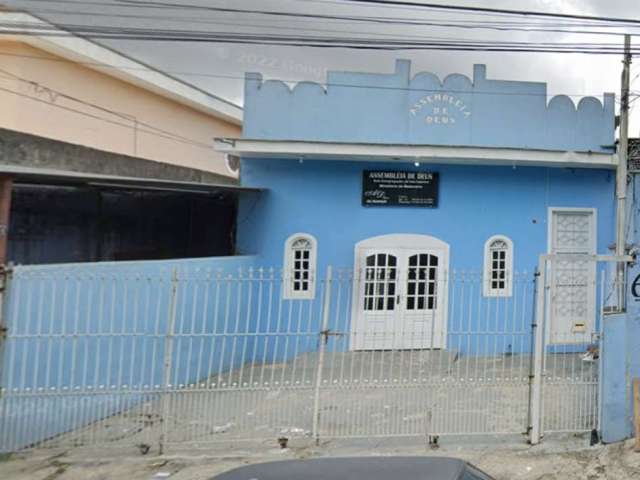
(400, 293)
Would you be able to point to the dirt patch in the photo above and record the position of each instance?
(565, 460)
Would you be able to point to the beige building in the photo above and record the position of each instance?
(69, 89)
(104, 158)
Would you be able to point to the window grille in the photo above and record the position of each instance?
(498, 267)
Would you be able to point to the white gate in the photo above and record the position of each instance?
(576, 291)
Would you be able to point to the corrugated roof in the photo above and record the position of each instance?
(40, 176)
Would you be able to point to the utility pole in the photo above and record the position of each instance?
(621, 172)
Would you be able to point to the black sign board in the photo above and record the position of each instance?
(399, 188)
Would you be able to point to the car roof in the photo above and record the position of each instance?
(356, 468)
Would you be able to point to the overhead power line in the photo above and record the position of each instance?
(525, 27)
(399, 3)
(302, 15)
(298, 80)
(98, 117)
(36, 28)
(348, 19)
(135, 123)
(489, 10)
(542, 26)
(362, 45)
(359, 43)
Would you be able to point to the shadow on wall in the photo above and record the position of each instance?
(54, 225)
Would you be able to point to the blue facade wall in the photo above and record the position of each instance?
(476, 199)
(323, 198)
(620, 365)
(404, 108)
(615, 415)
(620, 353)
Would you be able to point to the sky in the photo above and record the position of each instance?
(219, 68)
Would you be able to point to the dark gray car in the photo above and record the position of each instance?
(360, 468)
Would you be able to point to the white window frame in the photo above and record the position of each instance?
(507, 291)
(287, 274)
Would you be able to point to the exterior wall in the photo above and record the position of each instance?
(620, 354)
(620, 365)
(476, 201)
(323, 198)
(105, 113)
(398, 108)
(25, 150)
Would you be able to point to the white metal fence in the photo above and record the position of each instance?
(124, 357)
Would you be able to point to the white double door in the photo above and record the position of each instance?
(401, 298)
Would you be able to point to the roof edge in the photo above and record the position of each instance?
(452, 154)
(119, 65)
(25, 174)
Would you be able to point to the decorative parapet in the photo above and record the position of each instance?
(423, 110)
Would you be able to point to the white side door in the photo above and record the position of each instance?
(572, 234)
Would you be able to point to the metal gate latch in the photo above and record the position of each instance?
(325, 334)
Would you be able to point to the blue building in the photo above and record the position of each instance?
(384, 281)
(414, 182)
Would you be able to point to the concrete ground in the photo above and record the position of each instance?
(566, 458)
(362, 394)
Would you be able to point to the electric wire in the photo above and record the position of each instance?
(150, 129)
(118, 33)
(325, 85)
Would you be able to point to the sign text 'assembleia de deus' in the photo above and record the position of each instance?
(399, 188)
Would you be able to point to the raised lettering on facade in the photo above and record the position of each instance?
(441, 109)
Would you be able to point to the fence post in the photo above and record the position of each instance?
(5, 277)
(538, 356)
(168, 358)
(323, 338)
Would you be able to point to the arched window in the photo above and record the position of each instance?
(498, 267)
(300, 267)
